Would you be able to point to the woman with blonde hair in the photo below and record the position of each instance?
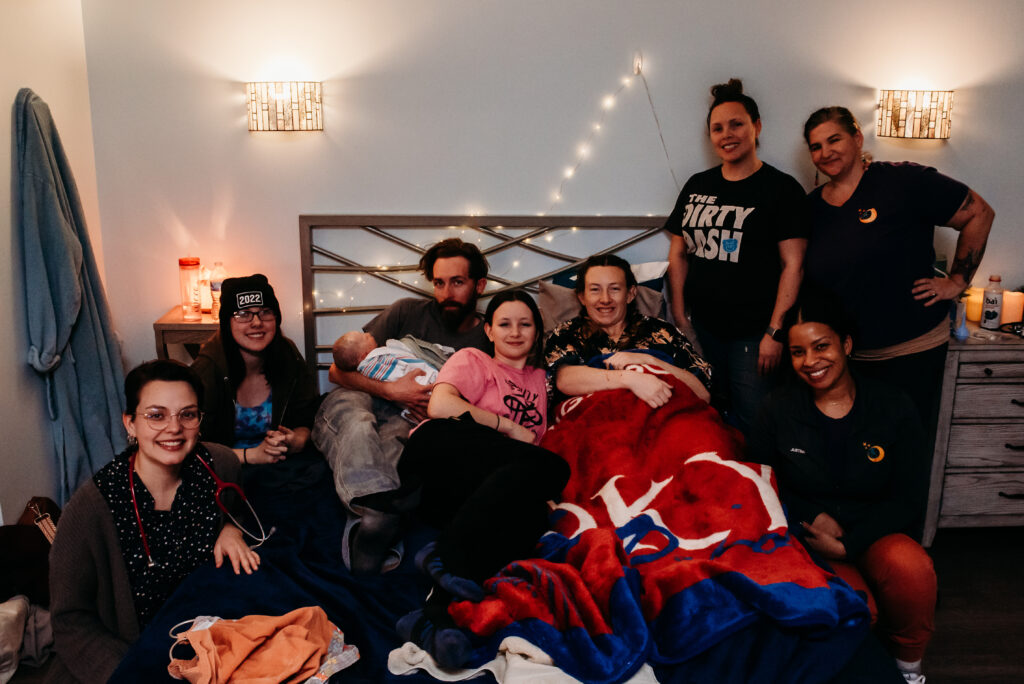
(872, 247)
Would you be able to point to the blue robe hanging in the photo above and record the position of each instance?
(70, 335)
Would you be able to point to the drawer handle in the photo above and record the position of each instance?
(1017, 402)
(988, 372)
(1015, 447)
(1011, 496)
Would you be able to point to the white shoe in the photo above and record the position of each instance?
(913, 677)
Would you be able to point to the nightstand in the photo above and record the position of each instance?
(978, 466)
(171, 328)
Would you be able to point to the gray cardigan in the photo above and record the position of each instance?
(91, 605)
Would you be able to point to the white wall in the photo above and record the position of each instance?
(41, 47)
(477, 105)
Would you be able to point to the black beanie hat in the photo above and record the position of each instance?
(246, 293)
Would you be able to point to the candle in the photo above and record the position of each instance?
(1013, 307)
(975, 297)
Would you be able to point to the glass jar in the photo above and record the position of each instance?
(188, 277)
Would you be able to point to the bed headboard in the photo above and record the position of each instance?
(355, 266)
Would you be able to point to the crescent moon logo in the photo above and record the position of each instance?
(868, 215)
(874, 453)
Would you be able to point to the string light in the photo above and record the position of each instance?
(584, 149)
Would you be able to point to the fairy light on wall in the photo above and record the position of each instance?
(585, 148)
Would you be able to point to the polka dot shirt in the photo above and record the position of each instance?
(180, 539)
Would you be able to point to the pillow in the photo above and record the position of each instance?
(558, 304)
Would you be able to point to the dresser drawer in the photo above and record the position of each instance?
(983, 494)
(988, 401)
(994, 371)
(986, 446)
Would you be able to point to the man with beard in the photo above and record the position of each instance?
(359, 427)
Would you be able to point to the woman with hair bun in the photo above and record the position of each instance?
(739, 232)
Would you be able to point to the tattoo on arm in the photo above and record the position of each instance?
(966, 266)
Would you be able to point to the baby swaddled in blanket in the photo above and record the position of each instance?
(358, 351)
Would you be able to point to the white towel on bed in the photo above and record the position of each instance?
(518, 662)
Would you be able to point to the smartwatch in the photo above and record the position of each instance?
(775, 333)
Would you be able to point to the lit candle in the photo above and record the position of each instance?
(975, 297)
(1013, 307)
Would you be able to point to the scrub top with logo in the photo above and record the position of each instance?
(869, 470)
(869, 251)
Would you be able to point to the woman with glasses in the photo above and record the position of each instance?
(133, 532)
(260, 396)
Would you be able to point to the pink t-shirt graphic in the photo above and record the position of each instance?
(517, 394)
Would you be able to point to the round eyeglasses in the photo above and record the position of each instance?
(158, 420)
(246, 315)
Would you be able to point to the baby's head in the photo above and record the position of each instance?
(351, 348)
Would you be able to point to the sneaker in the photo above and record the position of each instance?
(913, 677)
(392, 559)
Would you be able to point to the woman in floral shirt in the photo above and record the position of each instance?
(591, 351)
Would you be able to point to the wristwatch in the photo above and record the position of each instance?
(775, 333)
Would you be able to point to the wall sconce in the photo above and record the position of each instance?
(915, 113)
(285, 106)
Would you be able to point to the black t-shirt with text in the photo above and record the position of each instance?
(732, 231)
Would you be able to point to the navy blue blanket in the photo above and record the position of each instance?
(301, 565)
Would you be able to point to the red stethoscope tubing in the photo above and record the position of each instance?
(221, 486)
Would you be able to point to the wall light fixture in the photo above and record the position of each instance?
(285, 106)
(915, 113)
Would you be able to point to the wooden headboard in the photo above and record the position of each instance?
(355, 266)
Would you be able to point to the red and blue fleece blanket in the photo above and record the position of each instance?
(668, 548)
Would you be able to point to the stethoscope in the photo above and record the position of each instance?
(221, 486)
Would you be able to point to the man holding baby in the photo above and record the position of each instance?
(359, 427)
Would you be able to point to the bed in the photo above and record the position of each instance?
(596, 575)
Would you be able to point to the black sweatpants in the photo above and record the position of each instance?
(486, 492)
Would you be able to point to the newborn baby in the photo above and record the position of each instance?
(358, 351)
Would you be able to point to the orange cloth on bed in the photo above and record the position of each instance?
(257, 649)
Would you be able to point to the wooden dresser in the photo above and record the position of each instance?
(978, 467)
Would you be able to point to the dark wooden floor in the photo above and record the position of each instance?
(979, 624)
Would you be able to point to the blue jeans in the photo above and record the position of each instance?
(362, 438)
(736, 388)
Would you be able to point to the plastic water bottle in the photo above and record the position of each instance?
(992, 307)
(217, 276)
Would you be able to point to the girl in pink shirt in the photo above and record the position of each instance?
(474, 471)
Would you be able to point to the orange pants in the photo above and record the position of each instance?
(898, 577)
